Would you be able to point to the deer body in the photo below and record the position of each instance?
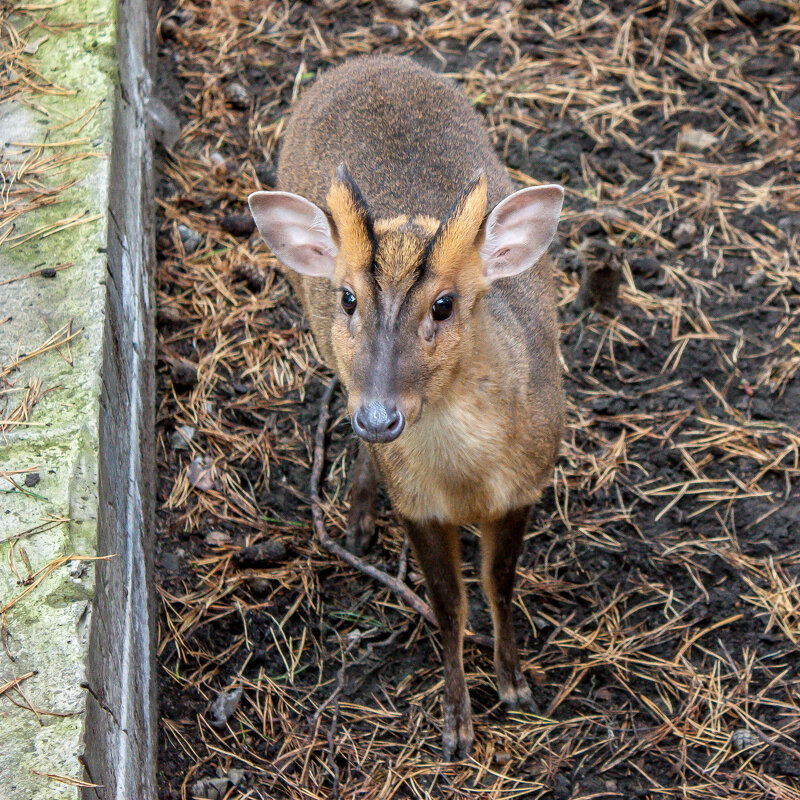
(438, 317)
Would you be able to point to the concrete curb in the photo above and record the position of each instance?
(76, 684)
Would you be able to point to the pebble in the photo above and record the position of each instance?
(388, 32)
(183, 374)
(31, 48)
(403, 8)
(181, 437)
(167, 315)
(198, 789)
(742, 738)
(600, 403)
(258, 585)
(755, 280)
(163, 242)
(217, 539)
(199, 474)
(219, 166)
(236, 776)
(760, 408)
(224, 707)
(191, 239)
(238, 96)
(792, 222)
(696, 139)
(77, 570)
(170, 28)
(684, 233)
(217, 788)
(604, 695)
(262, 555)
(562, 789)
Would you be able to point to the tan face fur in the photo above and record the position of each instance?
(400, 310)
(391, 349)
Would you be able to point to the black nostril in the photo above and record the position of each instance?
(396, 422)
(378, 422)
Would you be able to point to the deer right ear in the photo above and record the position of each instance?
(519, 230)
(296, 231)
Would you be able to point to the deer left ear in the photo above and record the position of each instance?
(519, 230)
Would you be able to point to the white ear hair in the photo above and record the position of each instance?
(296, 230)
(519, 230)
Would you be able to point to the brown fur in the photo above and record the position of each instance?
(481, 392)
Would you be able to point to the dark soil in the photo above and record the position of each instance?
(658, 609)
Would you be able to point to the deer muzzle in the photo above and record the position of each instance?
(378, 421)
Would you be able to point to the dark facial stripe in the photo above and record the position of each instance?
(422, 270)
(343, 175)
(454, 210)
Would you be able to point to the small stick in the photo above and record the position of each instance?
(400, 589)
(790, 751)
(407, 595)
(402, 567)
(37, 272)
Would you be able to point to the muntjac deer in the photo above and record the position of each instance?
(424, 277)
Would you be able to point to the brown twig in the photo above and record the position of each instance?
(409, 597)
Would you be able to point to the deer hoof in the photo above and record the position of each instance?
(516, 694)
(457, 733)
(360, 529)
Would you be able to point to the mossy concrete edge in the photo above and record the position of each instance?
(80, 640)
(121, 719)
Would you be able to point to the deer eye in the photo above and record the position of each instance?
(348, 301)
(442, 308)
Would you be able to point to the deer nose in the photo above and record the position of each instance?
(378, 422)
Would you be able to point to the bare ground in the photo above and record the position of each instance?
(658, 604)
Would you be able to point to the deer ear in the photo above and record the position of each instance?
(519, 230)
(296, 231)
